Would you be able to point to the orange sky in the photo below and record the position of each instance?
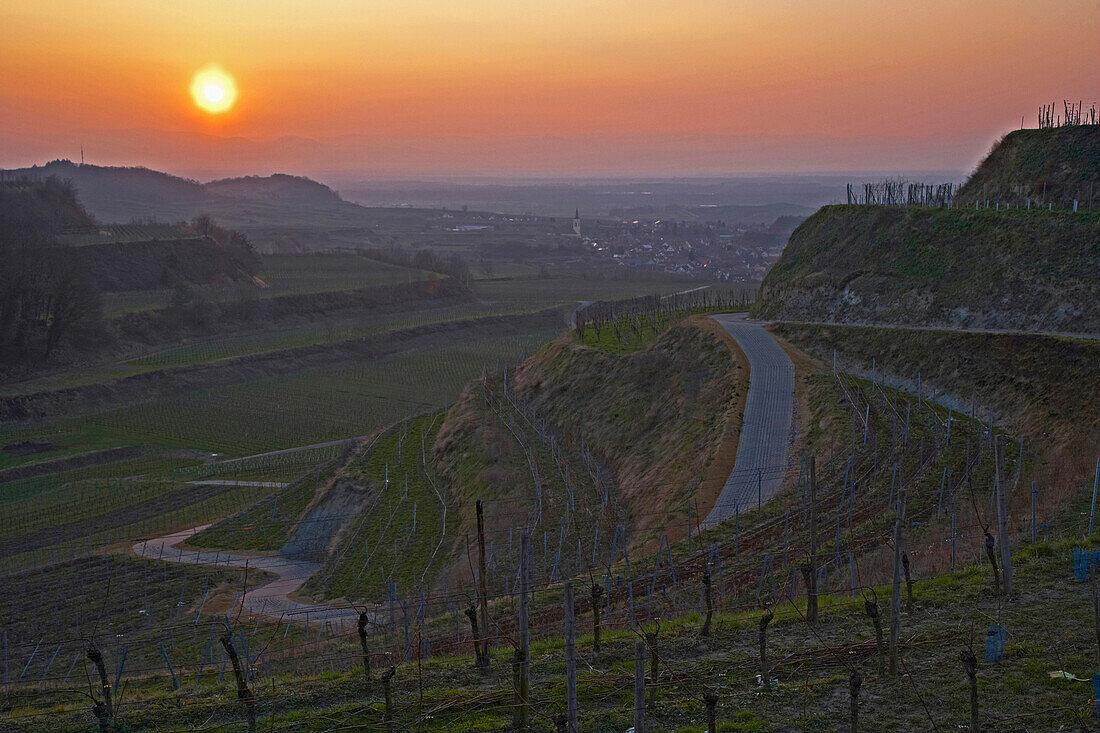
(420, 72)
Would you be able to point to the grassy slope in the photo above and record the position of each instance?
(268, 524)
(951, 611)
(1033, 382)
(655, 420)
(1032, 270)
(657, 417)
(1017, 269)
(400, 535)
(629, 334)
(1063, 159)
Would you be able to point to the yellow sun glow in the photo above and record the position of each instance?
(213, 90)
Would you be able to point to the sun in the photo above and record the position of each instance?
(213, 90)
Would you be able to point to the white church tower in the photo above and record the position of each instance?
(577, 223)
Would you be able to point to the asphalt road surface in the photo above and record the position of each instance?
(761, 461)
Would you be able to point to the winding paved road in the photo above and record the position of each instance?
(765, 430)
(268, 600)
(757, 474)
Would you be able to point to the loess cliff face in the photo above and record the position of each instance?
(661, 424)
(1020, 270)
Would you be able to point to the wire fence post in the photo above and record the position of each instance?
(570, 662)
(483, 590)
(1034, 513)
(639, 687)
(1095, 484)
(168, 663)
(1002, 518)
(895, 595)
(523, 668)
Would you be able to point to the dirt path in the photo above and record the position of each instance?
(295, 449)
(271, 600)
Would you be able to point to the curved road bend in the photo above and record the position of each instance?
(761, 461)
(271, 599)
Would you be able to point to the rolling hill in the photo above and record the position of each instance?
(120, 194)
(1052, 165)
(1023, 268)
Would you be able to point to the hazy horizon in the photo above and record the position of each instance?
(579, 89)
(549, 158)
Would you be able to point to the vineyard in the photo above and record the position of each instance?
(906, 532)
(443, 515)
(281, 275)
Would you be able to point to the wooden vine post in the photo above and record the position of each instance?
(521, 659)
(483, 590)
(908, 582)
(970, 664)
(362, 628)
(871, 609)
(471, 613)
(811, 572)
(989, 545)
(103, 709)
(765, 673)
(1002, 517)
(710, 602)
(387, 677)
(639, 687)
(597, 592)
(243, 692)
(654, 660)
(895, 594)
(711, 701)
(855, 681)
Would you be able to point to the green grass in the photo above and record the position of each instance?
(238, 346)
(277, 467)
(1016, 269)
(154, 463)
(811, 667)
(268, 524)
(1050, 627)
(308, 274)
(394, 539)
(631, 334)
(286, 411)
(285, 274)
(561, 290)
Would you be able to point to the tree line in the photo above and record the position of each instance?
(45, 293)
(48, 291)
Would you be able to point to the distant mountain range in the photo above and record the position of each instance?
(618, 154)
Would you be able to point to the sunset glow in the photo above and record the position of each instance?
(424, 74)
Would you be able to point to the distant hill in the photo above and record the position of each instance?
(960, 267)
(117, 257)
(944, 267)
(1052, 165)
(120, 194)
(46, 207)
(277, 187)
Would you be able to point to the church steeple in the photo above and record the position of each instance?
(577, 223)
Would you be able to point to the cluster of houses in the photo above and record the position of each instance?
(707, 252)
